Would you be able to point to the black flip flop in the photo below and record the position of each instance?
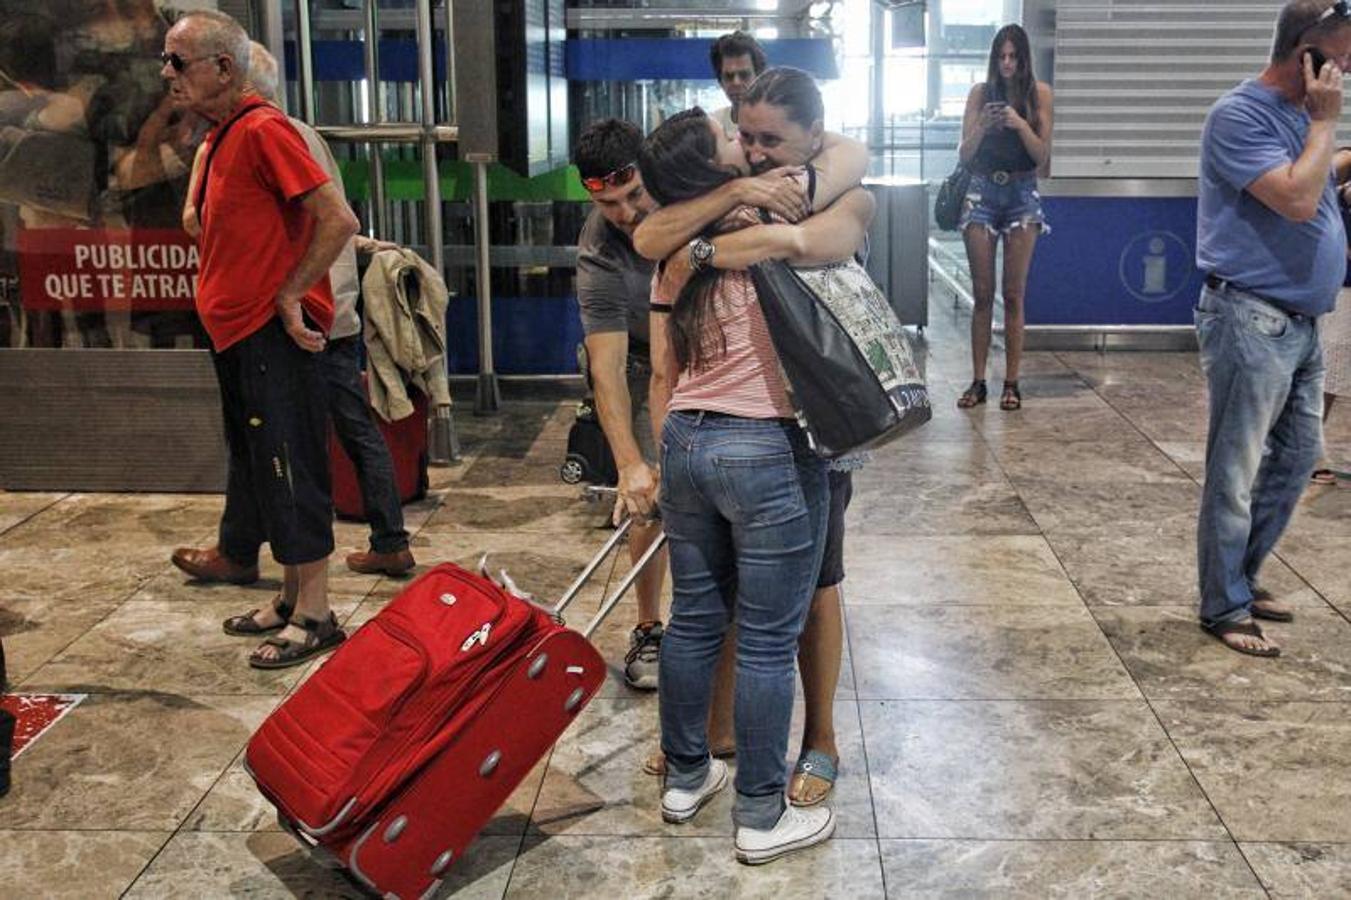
(1262, 595)
(1218, 631)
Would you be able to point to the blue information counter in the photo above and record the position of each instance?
(1120, 253)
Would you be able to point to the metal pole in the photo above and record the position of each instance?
(431, 176)
(377, 163)
(305, 61)
(443, 445)
(489, 399)
(270, 32)
(879, 80)
(451, 109)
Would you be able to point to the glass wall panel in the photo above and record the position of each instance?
(94, 161)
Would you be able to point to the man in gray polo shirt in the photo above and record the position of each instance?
(613, 284)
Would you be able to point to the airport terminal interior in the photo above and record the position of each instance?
(1026, 705)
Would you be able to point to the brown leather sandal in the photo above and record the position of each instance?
(974, 395)
(320, 638)
(1012, 398)
(247, 626)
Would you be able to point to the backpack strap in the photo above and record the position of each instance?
(200, 202)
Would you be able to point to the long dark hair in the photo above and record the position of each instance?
(1022, 95)
(678, 163)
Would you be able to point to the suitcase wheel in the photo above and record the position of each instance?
(395, 829)
(573, 469)
(574, 699)
(441, 863)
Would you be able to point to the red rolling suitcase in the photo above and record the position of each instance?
(401, 747)
(407, 443)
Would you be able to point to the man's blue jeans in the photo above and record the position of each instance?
(744, 507)
(1264, 368)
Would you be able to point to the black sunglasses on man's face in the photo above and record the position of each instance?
(180, 63)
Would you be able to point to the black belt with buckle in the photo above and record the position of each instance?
(1002, 177)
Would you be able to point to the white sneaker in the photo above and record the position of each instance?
(679, 806)
(798, 828)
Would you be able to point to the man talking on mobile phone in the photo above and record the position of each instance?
(1271, 243)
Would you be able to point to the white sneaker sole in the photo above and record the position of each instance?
(680, 817)
(760, 857)
(642, 683)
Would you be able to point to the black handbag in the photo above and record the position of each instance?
(951, 196)
(845, 358)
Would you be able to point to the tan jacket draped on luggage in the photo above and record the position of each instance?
(405, 331)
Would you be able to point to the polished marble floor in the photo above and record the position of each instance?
(1027, 707)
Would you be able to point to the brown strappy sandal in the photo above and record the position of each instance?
(974, 395)
(1012, 397)
(247, 626)
(320, 638)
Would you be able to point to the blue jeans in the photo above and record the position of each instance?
(1264, 368)
(1000, 208)
(744, 504)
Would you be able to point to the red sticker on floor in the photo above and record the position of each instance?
(35, 714)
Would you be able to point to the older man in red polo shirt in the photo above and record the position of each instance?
(272, 225)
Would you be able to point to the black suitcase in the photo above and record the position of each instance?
(589, 458)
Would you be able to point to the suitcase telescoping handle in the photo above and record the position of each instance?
(608, 603)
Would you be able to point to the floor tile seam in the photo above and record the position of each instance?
(1149, 704)
(862, 737)
(1243, 855)
(540, 837)
(1102, 700)
(35, 513)
(159, 851)
(117, 606)
(1087, 841)
(86, 830)
(1118, 699)
(1308, 584)
(529, 819)
(101, 691)
(1133, 425)
(1095, 840)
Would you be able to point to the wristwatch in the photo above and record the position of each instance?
(701, 253)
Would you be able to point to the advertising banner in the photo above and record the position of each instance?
(94, 270)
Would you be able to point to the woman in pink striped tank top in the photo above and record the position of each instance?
(743, 497)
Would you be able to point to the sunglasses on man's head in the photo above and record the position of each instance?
(622, 175)
(182, 62)
(1341, 9)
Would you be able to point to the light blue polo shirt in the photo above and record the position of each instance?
(1300, 265)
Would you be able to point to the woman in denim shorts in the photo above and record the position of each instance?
(1006, 140)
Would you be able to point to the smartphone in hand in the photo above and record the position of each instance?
(1318, 58)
